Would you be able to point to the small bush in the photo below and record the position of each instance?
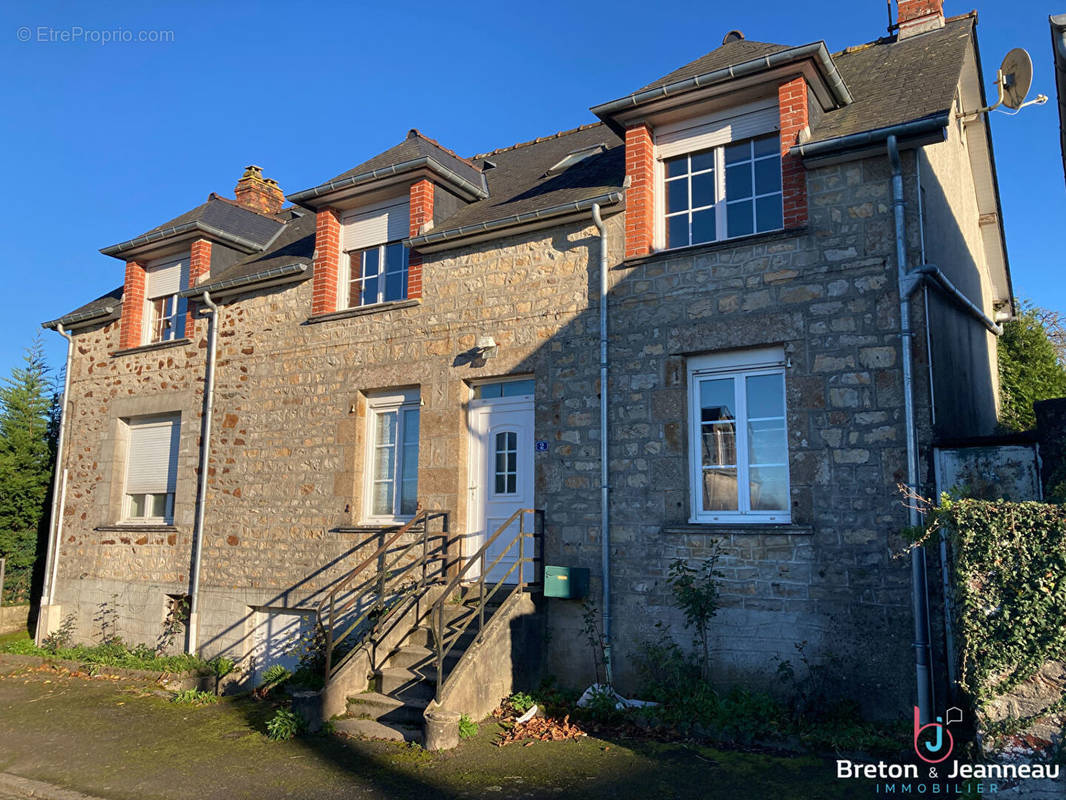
(194, 697)
(284, 725)
(467, 727)
(62, 636)
(275, 675)
(522, 702)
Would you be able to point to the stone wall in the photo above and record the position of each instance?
(287, 453)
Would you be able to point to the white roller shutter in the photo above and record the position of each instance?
(385, 223)
(713, 131)
(166, 278)
(152, 466)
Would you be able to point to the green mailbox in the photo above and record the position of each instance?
(571, 583)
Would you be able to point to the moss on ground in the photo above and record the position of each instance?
(122, 740)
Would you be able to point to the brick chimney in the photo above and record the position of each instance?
(257, 194)
(919, 16)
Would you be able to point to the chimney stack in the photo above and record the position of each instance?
(919, 16)
(257, 194)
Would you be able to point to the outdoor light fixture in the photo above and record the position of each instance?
(486, 347)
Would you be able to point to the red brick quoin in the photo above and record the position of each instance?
(199, 268)
(421, 212)
(132, 306)
(640, 197)
(327, 257)
(792, 103)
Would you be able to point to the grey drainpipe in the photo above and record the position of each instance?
(919, 589)
(605, 542)
(192, 644)
(49, 590)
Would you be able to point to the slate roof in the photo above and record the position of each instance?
(894, 82)
(519, 182)
(891, 82)
(415, 146)
(217, 212)
(729, 54)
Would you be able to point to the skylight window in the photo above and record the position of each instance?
(576, 157)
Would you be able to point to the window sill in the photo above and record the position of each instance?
(371, 527)
(713, 247)
(729, 528)
(147, 348)
(362, 311)
(137, 527)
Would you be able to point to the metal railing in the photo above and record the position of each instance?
(526, 555)
(397, 577)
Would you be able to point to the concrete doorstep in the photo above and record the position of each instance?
(12, 787)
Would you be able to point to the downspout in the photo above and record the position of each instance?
(605, 542)
(192, 643)
(919, 590)
(58, 486)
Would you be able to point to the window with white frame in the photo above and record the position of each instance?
(720, 177)
(738, 437)
(374, 267)
(392, 456)
(164, 314)
(151, 469)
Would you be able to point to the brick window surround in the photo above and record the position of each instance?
(328, 243)
(132, 306)
(795, 115)
(199, 268)
(640, 169)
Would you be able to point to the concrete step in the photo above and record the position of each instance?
(422, 659)
(423, 637)
(387, 710)
(405, 684)
(372, 729)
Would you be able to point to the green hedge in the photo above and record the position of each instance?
(1010, 590)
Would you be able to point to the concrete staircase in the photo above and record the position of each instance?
(406, 681)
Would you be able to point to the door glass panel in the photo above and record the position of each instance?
(766, 396)
(716, 400)
(506, 462)
(409, 463)
(495, 390)
(719, 445)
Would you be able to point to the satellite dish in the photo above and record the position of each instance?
(1017, 77)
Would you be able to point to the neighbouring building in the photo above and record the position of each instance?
(425, 328)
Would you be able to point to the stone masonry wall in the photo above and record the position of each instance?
(286, 465)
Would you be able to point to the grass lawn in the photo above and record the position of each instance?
(123, 740)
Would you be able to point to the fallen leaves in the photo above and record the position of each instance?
(542, 729)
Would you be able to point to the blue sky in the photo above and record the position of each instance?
(103, 141)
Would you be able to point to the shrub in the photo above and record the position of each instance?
(467, 727)
(62, 636)
(284, 725)
(522, 702)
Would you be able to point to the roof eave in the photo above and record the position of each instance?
(915, 133)
(816, 51)
(438, 240)
(85, 318)
(319, 196)
(262, 279)
(152, 240)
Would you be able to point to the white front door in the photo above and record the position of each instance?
(501, 436)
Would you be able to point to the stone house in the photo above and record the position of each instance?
(425, 328)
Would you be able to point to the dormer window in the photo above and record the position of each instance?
(718, 180)
(374, 266)
(164, 313)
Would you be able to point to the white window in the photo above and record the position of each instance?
(720, 177)
(392, 456)
(151, 470)
(374, 267)
(738, 437)
(164, 313)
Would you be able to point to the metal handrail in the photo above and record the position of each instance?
(377, 582)
(444, 645)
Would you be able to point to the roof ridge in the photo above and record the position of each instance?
(447, 150)
(890, 39)
(232, 202)
(539, 139)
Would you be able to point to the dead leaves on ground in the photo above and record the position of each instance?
(541, 729)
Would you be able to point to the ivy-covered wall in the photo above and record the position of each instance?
(1010, 615)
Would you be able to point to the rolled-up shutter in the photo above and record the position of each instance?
(386, 223)
(747, 122)
(166, 278)
(152, 466)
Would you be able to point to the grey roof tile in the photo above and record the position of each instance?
(894, 82)
(728, 55)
